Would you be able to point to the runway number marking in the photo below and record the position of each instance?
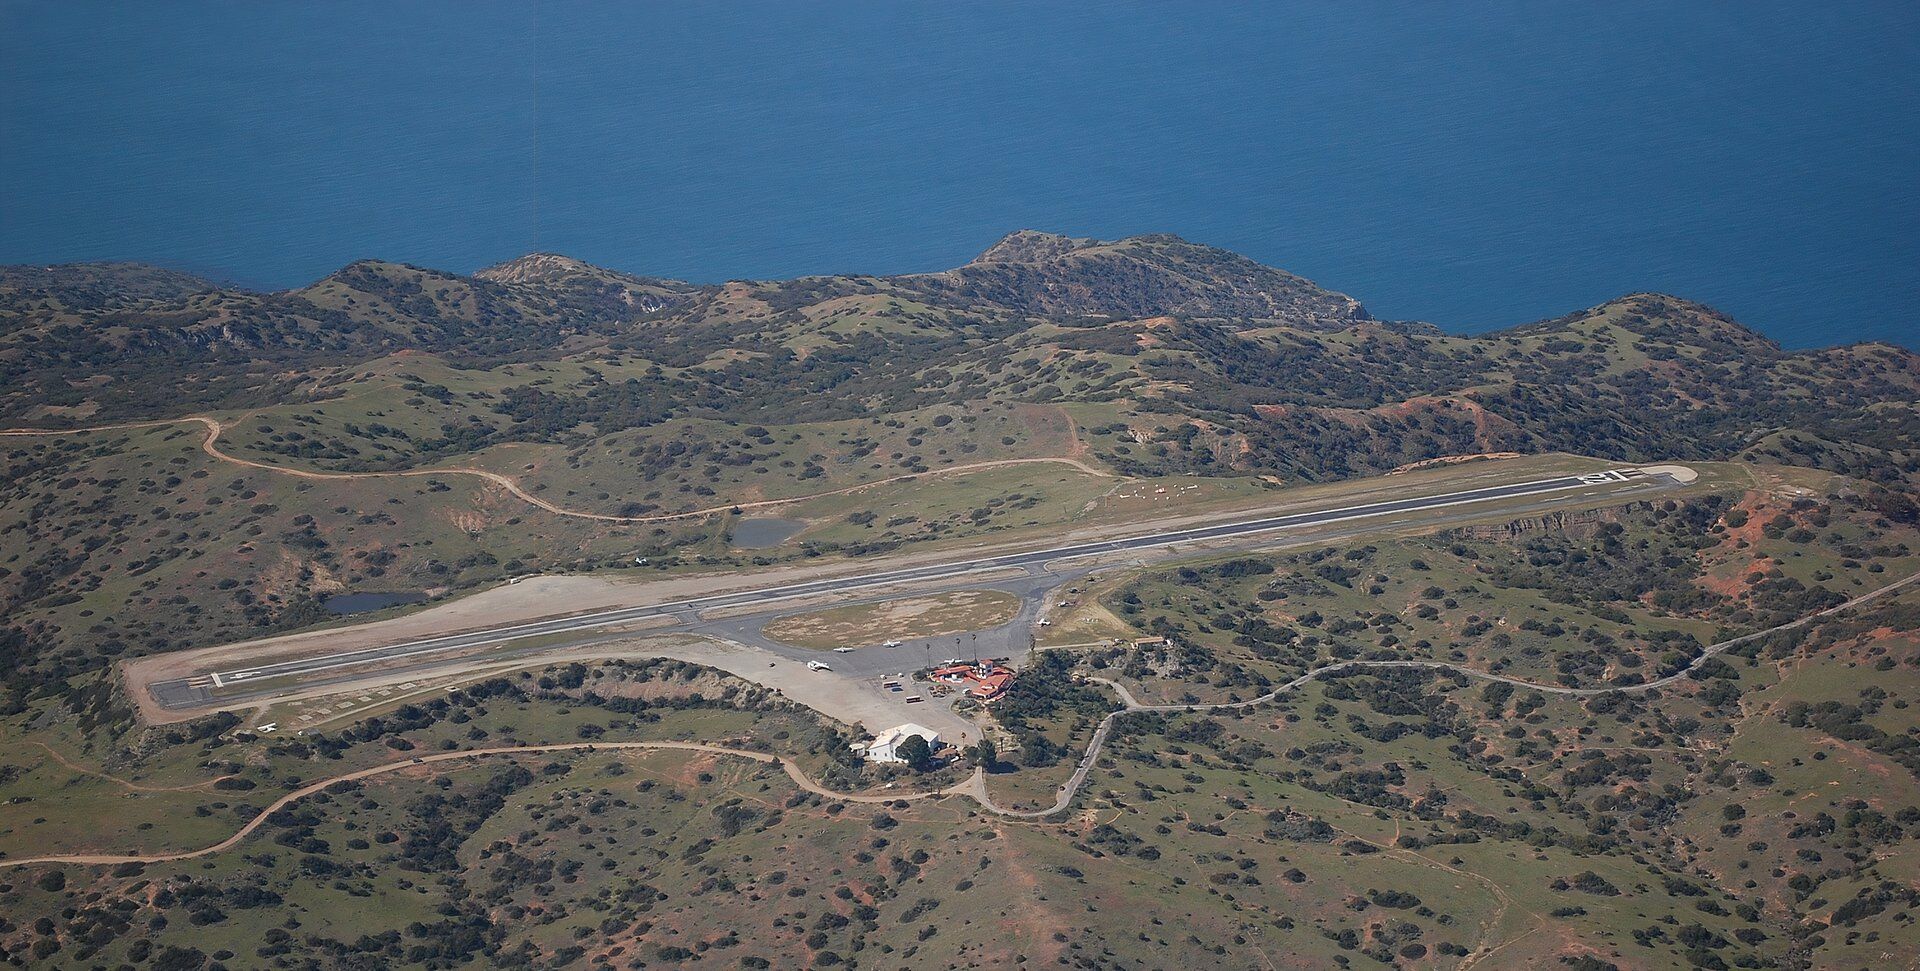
(1611, 475)
(1166, 540)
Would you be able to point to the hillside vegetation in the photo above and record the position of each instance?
(1222, 364)
(624, 396)
(1759, 813)
(1643, 790)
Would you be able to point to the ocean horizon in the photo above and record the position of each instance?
(1473, 172)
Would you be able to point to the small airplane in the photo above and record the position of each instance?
(889, 643)
(817, 666)
(268, 727)
(1046, 623)
(843, 650)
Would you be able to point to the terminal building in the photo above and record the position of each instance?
(984, 680)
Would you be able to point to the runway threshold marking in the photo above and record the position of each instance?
(501, 635)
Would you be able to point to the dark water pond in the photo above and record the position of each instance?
(359, 603)
(756, 534)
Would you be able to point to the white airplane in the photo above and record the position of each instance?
(843, 650)
(1046, 623)
(889, 643)
(268, 727)
(817, 666)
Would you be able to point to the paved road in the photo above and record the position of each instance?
(195, 691)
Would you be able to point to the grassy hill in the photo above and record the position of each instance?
(1255, 370)
(622, 395)
(1754, 813)
(1760, 814)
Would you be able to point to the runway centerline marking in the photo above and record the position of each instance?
(1634, 478)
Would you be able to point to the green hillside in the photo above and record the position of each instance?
(617, 395)
(1550, 741)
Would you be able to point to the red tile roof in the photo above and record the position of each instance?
(985, 687)
(992, 685)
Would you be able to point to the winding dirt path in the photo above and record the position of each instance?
(975, 786)
(1100, 734)
(793, 772)
(211, 446)
(71, 766)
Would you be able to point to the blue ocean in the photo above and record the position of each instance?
(1475, 165)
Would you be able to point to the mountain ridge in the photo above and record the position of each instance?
(1274, 373)
(1028, 271)
(136, 281)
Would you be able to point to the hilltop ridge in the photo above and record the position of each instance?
(640, 294)
(84, 287)
(1251, 368)
(1139, 276)
(398, 428)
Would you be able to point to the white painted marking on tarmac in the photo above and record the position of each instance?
(1308, 518)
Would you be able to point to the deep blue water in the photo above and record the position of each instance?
(1476, 165)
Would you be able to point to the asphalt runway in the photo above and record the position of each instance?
(1035, 573)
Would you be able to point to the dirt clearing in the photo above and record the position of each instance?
(911, 618)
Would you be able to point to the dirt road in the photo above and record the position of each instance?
(975, 786)
(211, 445)
(1131, 705)
(793, 772)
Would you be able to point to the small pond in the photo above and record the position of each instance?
(758, 534)
(360, 603)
